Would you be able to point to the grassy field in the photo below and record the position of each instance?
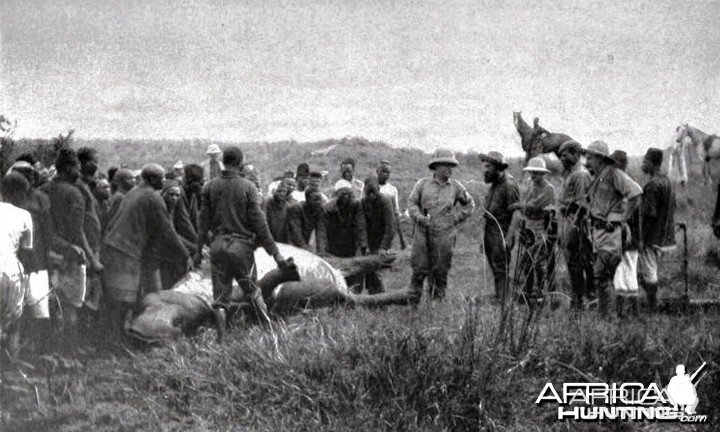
(440, 367)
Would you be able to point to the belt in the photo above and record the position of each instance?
(233, 235)
(542, 218)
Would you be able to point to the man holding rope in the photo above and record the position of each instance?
(437, 205)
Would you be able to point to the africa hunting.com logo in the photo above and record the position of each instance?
(596, 402)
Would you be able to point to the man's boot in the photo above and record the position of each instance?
(220, 315)
(651, 291)
(603, 298)
(620, 306)
(635, 306)
(416, 287)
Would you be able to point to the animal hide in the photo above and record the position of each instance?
(316, 282)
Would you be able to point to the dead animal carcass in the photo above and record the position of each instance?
(316, 282)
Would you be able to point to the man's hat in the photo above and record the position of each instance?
(251, 173)
(599, 148)
(495, 158)
(303, 170)
(167, 184)
(571, 145)
(536, 164)
(443, 156)
(213, 149)
(654, 156)
(123, 174)
(620, 158)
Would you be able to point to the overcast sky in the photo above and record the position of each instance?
(416, 73)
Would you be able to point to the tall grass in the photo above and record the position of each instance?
(436, 368)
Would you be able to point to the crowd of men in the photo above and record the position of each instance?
(604, 221)
(104, 241)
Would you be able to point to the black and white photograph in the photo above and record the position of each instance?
(346, 215)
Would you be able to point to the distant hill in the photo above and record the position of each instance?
(272, 159)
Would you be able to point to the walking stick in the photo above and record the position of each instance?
(398, 228)
(685, 262)
(430, 277)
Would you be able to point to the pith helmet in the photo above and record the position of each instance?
(213, 149)
(599, 148)
(536, 164)
(443, 156)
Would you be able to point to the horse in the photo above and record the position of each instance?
(527, 133)
(677, 169)
(547, 142)
(537, 140)
(707, 146)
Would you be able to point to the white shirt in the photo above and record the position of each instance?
(391, 192)
(356, 185)
(206, 168)
(298, 196)
(16, 226)
(272, 186)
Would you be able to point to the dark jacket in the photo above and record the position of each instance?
(379, 222)
(142, 229)
(191, 200)
(302, 223)
(183, 226)
(500, 196)
(658, 212)
(231, 205)
(277, 215)
(345, 229)
(38, 205)
(92, 226)
(113, 206)
(67, 206)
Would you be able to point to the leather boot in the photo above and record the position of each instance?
(620, 306)
(635, 306)
(651, 290)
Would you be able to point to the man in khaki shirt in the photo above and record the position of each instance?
(608, 194)
(437, 205)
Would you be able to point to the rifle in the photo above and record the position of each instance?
(398, 228)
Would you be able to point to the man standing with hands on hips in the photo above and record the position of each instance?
(437, 205)
(612, 198)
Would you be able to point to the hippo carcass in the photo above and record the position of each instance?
(314, 282)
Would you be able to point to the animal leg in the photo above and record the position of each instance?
(394, 297)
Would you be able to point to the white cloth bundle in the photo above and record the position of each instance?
(625, 280)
